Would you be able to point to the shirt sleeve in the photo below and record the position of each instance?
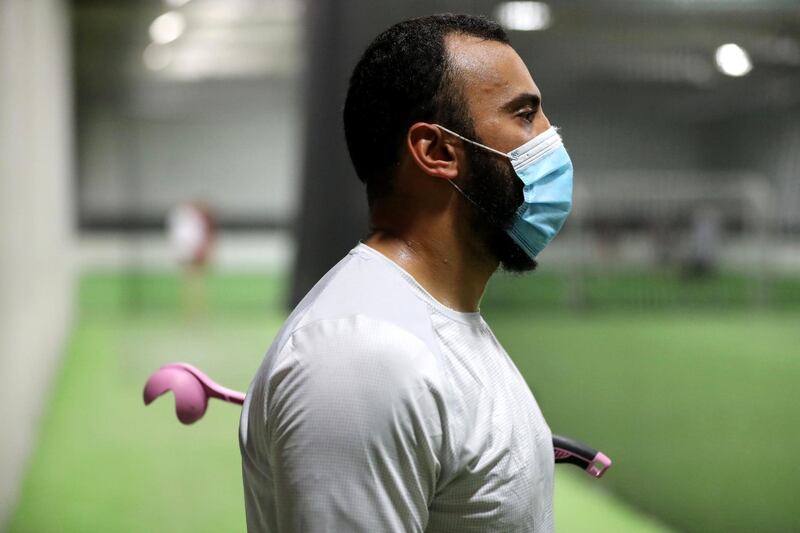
(354, 425)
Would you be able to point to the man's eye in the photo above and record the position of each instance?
(527, 115)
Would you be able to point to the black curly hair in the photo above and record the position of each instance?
(403, 77)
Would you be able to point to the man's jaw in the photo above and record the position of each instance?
(502, 197)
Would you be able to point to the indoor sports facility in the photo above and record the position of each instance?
(174, 179)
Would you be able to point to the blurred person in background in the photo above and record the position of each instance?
(190, 228)
(705, 239)
(385, 402)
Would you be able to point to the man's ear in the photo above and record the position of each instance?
(432, 151)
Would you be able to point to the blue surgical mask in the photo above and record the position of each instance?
(545, 169)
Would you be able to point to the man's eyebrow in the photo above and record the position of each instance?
(521, 100)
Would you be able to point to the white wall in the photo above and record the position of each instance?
(234, 145)
(35, 220)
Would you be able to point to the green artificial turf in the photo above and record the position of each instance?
(697, 409)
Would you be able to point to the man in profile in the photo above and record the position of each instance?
(385, 403)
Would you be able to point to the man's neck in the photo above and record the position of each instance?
(456, 275)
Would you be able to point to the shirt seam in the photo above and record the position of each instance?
(447, 461)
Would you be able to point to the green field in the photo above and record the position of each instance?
(697, 408)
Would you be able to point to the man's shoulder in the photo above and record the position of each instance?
(369, 286)
(355, 363)
(361, 344)
(362, 319)
(366, 302)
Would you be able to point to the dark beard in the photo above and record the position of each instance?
(495, 187)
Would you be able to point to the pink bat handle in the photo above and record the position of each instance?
(192, 389)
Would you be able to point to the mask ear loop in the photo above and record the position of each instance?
(498, 152)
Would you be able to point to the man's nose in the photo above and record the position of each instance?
(542, 123)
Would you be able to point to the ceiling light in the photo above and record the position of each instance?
(733, 60)
(524, 16)
(167, 27)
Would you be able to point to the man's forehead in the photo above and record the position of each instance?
(490, 68)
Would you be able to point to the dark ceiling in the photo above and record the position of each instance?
(645, 55)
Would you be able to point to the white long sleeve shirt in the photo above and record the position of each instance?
(379, 409)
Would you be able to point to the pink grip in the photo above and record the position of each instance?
(191, 388)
